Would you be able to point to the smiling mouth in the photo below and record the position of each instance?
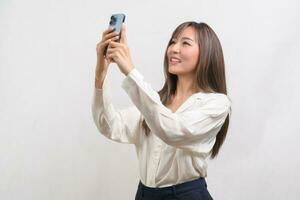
(174, 60)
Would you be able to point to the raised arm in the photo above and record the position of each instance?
(192, 128)
(120, 125)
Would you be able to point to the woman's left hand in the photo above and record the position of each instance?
(119, 53)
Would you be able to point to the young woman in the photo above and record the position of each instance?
(176, 129)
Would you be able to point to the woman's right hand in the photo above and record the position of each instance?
(102, 61)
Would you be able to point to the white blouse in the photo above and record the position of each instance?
(179, 142)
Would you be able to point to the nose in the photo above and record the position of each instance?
(175, 48)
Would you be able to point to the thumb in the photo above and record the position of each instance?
(123, 35)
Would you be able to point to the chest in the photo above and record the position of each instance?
(174, 105)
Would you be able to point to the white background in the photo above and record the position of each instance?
(51, 150)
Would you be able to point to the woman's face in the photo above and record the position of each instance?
(183, 53)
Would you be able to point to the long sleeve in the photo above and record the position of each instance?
(191, 128)
(120, 125)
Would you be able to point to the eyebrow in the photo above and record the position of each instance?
(185, 38)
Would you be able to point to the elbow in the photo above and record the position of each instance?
(101, 124)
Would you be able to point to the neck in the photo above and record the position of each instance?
(186, 86)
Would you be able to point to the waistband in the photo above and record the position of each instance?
(174, 189)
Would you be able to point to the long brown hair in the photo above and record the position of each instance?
(210, 73)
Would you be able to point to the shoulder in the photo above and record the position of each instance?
(213, 103)
(213, 97)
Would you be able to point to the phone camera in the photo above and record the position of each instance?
(112, 20)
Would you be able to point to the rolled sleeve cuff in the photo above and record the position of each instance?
(133, 76)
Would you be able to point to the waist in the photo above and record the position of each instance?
(178, 188)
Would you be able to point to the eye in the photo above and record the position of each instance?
(186, 43)
(172, 42)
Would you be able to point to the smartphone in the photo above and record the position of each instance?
(116, 21)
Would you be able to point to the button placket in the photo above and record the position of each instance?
(156, 158)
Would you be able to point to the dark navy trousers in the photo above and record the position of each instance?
(191, 190)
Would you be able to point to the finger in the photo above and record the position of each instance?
(110, 35)
(106, 42)
(115, 44)
(123, 35)
(110, 50)
(111, 56)
(110, 29)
